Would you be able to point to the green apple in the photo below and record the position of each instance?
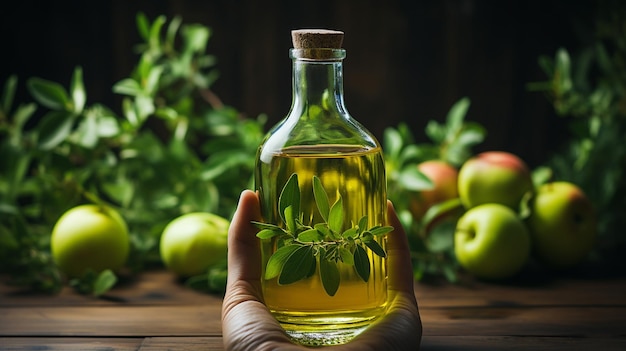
(494, 177)
(89, 237)
(193, 242)
(491, 242)
(444, 177)
(562, 224)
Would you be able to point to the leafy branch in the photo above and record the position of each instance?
(172, 147)
(588, 89)
(301, 246)
(430, 238)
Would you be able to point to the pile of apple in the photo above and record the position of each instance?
(493, 238)
(94, 238)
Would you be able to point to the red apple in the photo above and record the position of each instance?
(562, 224)
(444, 177)
(494, 177)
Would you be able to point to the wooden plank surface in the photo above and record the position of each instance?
(88, 321)
(204, 321)
(71, 344)
(429, 343)
(520, 343)
(156, 312)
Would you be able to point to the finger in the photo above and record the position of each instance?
(246, 321)
(244, 255)
(398, 255)
(400, 328)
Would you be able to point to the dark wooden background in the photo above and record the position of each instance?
(407, 60)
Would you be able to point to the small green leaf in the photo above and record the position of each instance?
(87, 132)
(128, 86)
(54, 128)
(335, 217)
(415, 153)
(455, 117)
(393, 142)
(121, 189)
(378, 230)
(411, 178)
(472, 134)
(8, 94)
(221, 162)
(297, 266)
(77, 90)
(151, 84)
(362, 224)
(130, 113)
(196, 37)
(324, 254)
(104, 282)
(262, 225)
(144, 106)
(310, 235)
(143, 25)
(361, 263)
(289, 196)
(542, 175)
(290, 220)
(367, 236)
(346, 256)
(321, 198)
(146, 62)
(23, 114)
(450, 272)
(50, 94)
(107, 126)
(438, 209)
(376, 248)
(440, 238)
(322, 228)
(268, 233)
(155, 33)
(217, 277)
(277, 261)
(435, 131)
(350, 233)
(329, 274)
(172, 29)
(563, 71)
(525, 207)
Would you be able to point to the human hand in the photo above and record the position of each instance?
(247, 324)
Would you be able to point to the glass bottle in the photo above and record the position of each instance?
(336, 284)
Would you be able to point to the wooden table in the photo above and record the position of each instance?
(154, 312)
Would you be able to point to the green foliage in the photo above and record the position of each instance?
(174, 149)
(431, 242)
(94, 284)
(301, 246)
(588, 88)
(213, 281)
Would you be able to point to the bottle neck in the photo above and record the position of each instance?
(317, 84)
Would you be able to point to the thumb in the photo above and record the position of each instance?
(244, 255)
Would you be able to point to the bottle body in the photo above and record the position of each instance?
(319, 139)
(355, 175)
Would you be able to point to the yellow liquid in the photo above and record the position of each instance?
(304, 308)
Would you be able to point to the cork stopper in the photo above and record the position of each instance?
(316, 39)
(317, 44)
